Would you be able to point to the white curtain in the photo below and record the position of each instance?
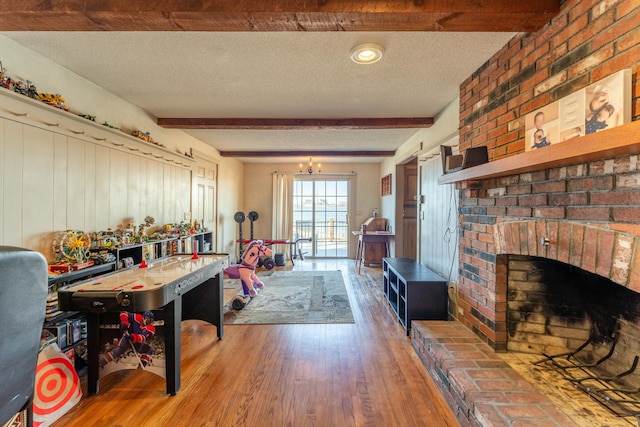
(282, 222)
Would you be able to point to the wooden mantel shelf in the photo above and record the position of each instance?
(608, 143)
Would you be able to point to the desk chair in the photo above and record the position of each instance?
(297, 251)
(23, 298)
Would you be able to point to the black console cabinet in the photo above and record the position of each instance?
(413, 291)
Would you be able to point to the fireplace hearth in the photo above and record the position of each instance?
(557, 308)
(610, 391)
(550, 260)
(585, 326)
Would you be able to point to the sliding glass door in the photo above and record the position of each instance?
(321, 212)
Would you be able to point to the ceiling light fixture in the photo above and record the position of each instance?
(366, 53)
(310, 169)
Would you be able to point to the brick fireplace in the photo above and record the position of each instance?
(523, 238)
(586, 205)
(582, 215)
(572, 208)
(549, 264)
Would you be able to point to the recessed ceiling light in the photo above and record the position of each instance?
(366, 53)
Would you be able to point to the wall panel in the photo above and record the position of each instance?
(134, 189)
(52, 180)
(90, 195)
(102, 187)
(37, 187)
(2, 157)
(438, 222)
(118, 194)
(12, 206)
(76, 190)
(155, 195)
(60, 160)
(168, 194)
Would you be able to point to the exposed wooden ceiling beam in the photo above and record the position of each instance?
(270, 153)
(277, 15)
(288, 124)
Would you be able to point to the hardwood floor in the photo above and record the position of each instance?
(362, 374)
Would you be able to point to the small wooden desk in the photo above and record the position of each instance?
(381, 237)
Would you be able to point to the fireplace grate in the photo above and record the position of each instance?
(609, 391)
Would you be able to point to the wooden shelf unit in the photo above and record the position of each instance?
(413, 291)
(608, 143)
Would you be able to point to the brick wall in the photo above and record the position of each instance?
(586, 42)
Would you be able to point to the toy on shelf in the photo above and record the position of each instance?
(142, 232)
(111, 126)
(127, 234)
(88, 117)
(246, 272)
(105, 240)
(5, 80)
(71, 248)
(55, 100)
(102, 257)
(27, 89)
(145, 136)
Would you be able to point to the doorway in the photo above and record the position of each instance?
(406, 209)
(205, 207)
(321, 213)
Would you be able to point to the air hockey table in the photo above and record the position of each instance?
(176, 288)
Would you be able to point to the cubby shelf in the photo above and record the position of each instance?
(413, 291)
(157, 249)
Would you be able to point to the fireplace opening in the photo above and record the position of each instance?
(581, 326)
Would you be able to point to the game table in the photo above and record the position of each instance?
(176, 288)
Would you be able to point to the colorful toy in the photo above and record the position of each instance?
(27, 89)
(246, 271)
(88, 117)
(55, 100)
(5, 80)
(145, 136)
(111, 126)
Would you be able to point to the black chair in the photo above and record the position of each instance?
(23, 298)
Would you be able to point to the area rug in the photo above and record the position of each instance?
(297, 297)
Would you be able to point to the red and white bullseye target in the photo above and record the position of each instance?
(57, 387)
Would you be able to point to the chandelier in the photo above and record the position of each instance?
(310, 169)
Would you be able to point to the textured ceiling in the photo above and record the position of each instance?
(275, 75)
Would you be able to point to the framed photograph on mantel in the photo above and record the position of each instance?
(571, 110)
(602, 105)
(608, 102)
(541, 127)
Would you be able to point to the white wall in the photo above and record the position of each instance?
(425, 144)
(51, 181)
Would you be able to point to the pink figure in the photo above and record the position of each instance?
(246, 270)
